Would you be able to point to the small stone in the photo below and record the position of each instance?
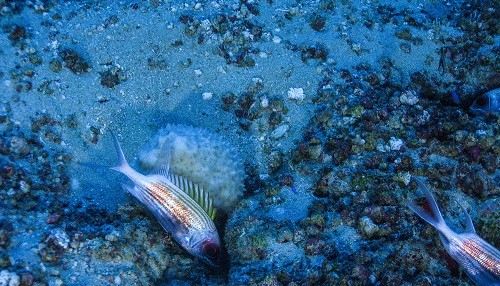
(53, 218)
(279, 131)
(403, 178)
(74, 61)
(405, 47)
(27, 279)
(404, 34)
(55, 65)
(9, 278)
(4, 261)
(113, 236)
(17, 33)
(24, 187)
(113, 76)
(409, 98)
(367, 227)
(275, 161)
(207, 95)
(395, 144)
(264, 102)
(296, 94)
(317, 22)
(19, 146)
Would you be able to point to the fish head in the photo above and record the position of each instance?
(481, 104)
(207, 248)
(487, 102)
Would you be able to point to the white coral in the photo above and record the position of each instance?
(200, 156)
(296, 93)
(395, 144)
(9, 278)
(409, 97)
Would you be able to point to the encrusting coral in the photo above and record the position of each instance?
(200, 156)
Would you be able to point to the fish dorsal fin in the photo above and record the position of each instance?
(197, 193)
(163, 171)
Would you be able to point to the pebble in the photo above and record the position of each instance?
(296, 93)
(207, 95)
(395, 144)
(9, 278)
(276, 40)
(280, 131)
(24, 187)
(264, 102)
(113, 236)
(409, 98)
(61, 237)
(19, 146)
(367, 227)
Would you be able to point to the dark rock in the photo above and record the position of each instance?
(113, 77)
(340, 149)
(17, 33)
(73, 61)
(4, 260)
(314, 52)
(317, 22)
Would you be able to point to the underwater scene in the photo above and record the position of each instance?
(249, 142)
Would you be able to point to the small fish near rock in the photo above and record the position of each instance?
(487, 102)
(183, 208)
(479, 259)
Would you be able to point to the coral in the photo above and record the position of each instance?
(9, 278)
(203, 157)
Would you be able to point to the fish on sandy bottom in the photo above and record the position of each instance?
(183, 208)
(479, 259)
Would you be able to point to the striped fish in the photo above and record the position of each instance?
(183, 208)
(479, 259)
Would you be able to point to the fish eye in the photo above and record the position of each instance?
(482, 100)
(210, 249)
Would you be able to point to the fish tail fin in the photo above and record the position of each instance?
(122, 162)
(433, 217)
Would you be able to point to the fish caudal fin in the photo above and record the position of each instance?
(433, 217)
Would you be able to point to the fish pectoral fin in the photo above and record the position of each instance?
(197, 193)
(135, 192)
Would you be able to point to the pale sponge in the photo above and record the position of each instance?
(200, 156)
